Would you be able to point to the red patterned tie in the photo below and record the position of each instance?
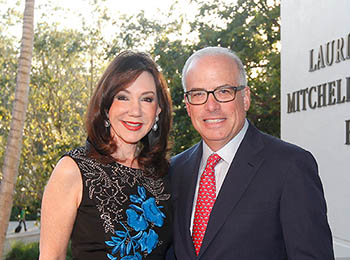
(205, 201)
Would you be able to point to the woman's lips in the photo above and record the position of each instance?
(133, 126)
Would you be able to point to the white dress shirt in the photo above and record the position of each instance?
(227, 153)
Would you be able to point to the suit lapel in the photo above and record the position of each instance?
(188, 183)
(241, 172)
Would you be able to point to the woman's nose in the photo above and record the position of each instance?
(134, 108)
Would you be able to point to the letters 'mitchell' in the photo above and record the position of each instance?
(322, 95)
(347, 132)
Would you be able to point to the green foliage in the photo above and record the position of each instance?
(8, 67)
(183, 134)
(67, 64)
(10, 16)
(31, 212)
(251, 28)
(137, 32)
(59, 93)
(21, 251)
(30, 251)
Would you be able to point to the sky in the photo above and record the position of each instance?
(153, 9)
(127, 7)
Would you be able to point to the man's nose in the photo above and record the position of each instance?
(212, 104)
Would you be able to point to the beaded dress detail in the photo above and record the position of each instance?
(123, 215)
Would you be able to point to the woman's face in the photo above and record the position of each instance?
(133, 111)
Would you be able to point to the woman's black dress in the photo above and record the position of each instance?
(123, 214)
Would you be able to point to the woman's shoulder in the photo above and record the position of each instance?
(80, 155)
(67, 168)
(77, 152)
(68, 165)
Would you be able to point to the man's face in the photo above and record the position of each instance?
(216, 122)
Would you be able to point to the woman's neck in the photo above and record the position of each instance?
(126, 154)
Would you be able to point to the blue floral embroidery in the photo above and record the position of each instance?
(140, 218)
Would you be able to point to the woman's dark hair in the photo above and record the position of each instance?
(122, 71)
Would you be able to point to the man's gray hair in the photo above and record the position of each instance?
(214, 51)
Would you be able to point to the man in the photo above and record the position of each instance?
(257, 197)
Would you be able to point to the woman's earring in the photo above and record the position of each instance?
(155, 126)
(107, 123)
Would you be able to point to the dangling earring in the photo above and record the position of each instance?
(155, 126)
(107, 123)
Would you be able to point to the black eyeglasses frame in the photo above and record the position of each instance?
(235, 88)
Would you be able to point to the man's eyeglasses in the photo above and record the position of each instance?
(221, 94)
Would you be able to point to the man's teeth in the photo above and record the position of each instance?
(213, 120)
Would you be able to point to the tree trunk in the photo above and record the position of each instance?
(19, 109)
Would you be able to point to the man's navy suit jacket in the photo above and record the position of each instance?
(271, 205)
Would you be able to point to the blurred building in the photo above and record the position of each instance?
(315, 98)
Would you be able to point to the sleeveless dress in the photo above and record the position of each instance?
(123, 214)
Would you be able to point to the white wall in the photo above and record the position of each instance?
(307, 24)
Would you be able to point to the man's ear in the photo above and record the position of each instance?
(246, 98)
(187, 106)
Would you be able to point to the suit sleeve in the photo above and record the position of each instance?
(303, 212)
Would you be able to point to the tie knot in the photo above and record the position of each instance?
(213, 160)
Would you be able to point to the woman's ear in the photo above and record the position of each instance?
(158, 110)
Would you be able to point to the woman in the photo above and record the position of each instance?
(110, 196)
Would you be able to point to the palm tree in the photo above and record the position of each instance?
(14, 141)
